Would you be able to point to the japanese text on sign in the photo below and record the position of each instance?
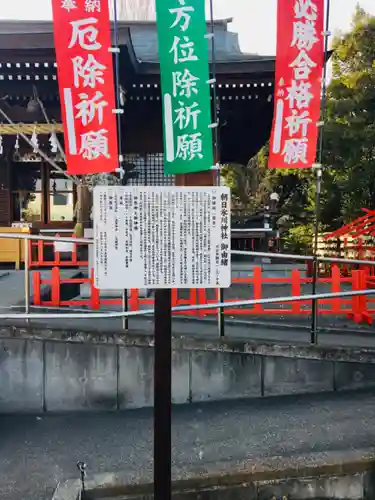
(183, 52)
(86, 84)
(162, 237)
(299, 64)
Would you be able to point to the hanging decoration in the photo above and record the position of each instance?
(1, 145)
(53, 142)
(28, 128)
(16, 155)
(34, 141)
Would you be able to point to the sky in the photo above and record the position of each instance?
(253, 20)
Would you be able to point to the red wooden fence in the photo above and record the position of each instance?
(43, 254)
(360, 309)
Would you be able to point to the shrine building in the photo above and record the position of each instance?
(31, 192)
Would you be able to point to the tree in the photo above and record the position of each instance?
(349, 140)
(244, 183)
(252, 185)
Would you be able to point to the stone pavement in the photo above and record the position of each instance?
(38, 452)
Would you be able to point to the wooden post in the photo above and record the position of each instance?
(206, 178)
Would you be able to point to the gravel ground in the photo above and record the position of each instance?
(36, 453)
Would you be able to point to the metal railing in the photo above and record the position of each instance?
(285, 256)
(302, 258)
(27, 315)
(216, 305)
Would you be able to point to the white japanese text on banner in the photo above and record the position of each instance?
(299, 65)
(86, 84)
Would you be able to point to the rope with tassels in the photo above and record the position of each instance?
(30, 128)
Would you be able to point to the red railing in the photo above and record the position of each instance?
(43, 254)
(353, 241)
(361, 226)
(360, 309)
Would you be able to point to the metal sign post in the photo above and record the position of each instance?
(319, 173)
(163, 396)
(162, 238)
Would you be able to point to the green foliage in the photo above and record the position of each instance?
(299, 239)
(246, 183)
(349, 141)
(252, 185)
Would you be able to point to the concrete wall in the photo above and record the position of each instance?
(42, 374)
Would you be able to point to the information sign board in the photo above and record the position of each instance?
(161, 237)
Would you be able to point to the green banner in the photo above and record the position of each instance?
(183, 53)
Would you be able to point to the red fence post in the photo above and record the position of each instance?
(30, 250)
(55, 288)
(193, 301)
(366, 316)
(202, 299)
(40, 256)
(357, 312)
(296, 291)
(74, 251)
(57, 260)
(36, 288)
(336, 288)
(95, 293)
(257, 280)
(174, 297)
(134, 299)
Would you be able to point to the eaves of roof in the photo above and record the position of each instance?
(140, 38)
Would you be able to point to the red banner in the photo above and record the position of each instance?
(86, 84)
(298, 82)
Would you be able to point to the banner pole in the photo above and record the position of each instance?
(221, 316)
(116, 44)
(319, 172)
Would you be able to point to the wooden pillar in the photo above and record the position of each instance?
(83, 210)
(205, 178)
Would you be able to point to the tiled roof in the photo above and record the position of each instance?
(24, 35)
(144, 40)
